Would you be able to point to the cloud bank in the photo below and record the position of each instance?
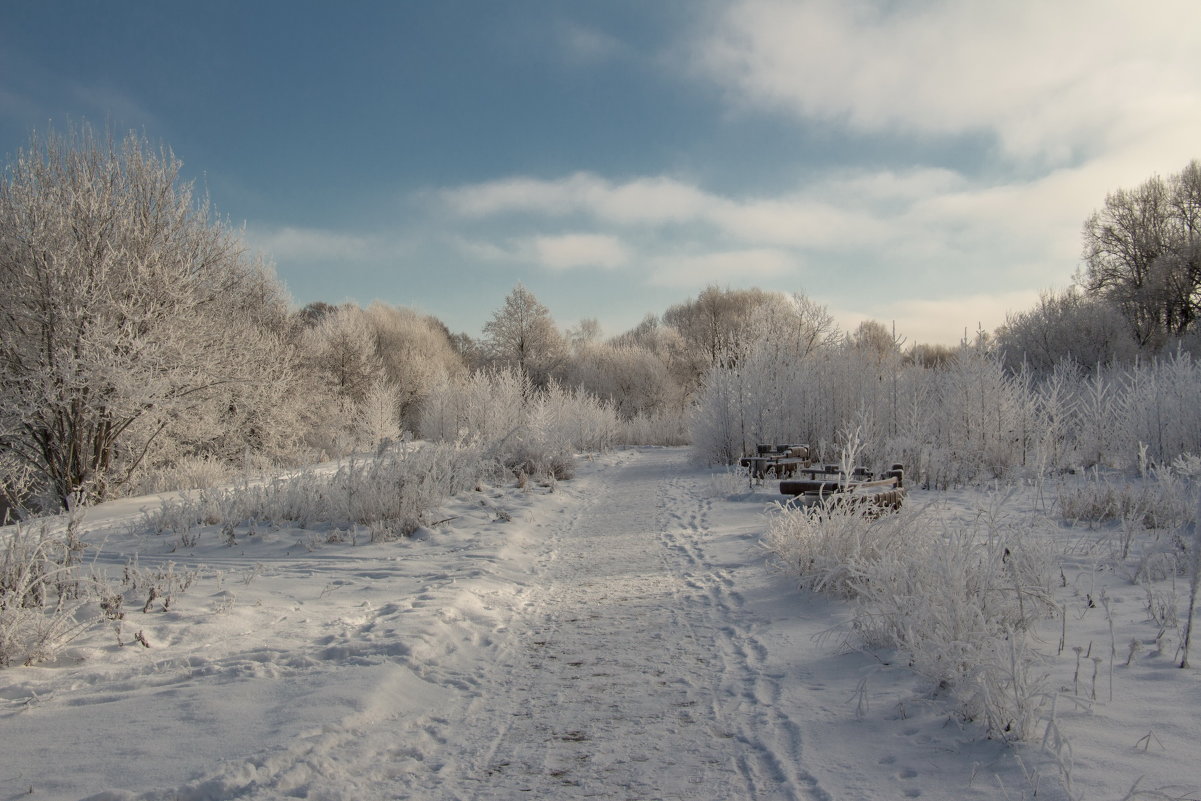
(1071, 100)
(1051, 82)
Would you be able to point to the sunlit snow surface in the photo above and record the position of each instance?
(622, 637)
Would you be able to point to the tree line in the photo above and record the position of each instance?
(1138, 293)
(142, 344)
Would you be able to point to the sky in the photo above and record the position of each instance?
(927, 163)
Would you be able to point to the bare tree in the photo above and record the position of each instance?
(718, 322)
(719, 325)
(126, 309)
(1142, 252)
(522, 335)
(584, 334)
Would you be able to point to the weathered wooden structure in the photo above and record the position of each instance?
(828, 484)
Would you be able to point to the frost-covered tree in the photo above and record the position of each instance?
(789, 383)
(925, 354)
(721, 326)
(1068, 325)
(340, 351)
(1142, 251)
(718, 322)
(127, 311)
(416, 353)
(522, 335)
(378, 413)
(871, 336)
(584, 334)
(633, 378)
(312, 313)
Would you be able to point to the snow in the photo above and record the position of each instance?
(623, 636)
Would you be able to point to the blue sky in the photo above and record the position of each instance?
(929, 163)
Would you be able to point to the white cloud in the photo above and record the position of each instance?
(653, 200)
(554, 252)
(868, 238)
(291, 244)
(888, 211)
(1050, 80)
(565, 251)
(889, 185)
(586, 46)
(920, 231)
(800, 219)
(1078, 100)
(738, 267)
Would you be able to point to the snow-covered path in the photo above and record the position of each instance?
(619, 638)
(632, 673)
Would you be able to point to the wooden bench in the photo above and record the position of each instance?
(777, 461)
(824, 485)
(779, 467)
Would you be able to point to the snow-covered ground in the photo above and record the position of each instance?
(620, 637)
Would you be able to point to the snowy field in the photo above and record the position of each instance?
(623, 636)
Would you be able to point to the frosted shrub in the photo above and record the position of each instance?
(159, 584)
(39, 594)
(1098, 500)
(190, 472)
(483, 408)
(954, 601)
(715, 428)
(583, 421)
(728, 482)
(829, 546)
(389, 494)
(970, 419)
(557, 423)
(1162, 500)
(535, 432)
(1158, 407)
(377, 416)
(664, 427)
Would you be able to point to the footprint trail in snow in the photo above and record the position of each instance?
(634, 674)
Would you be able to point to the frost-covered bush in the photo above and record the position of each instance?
(955, 600)
(39, 593)
(377, 416)
(716, 427)
(1157, 409)
(827, 547)
(134, 327)
(1163, 499)
(634, 378)
(189, 472)
(968, 419)
(483, 407)
(388, 494)
(666, 427)
(416, 354)
(529, 430)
